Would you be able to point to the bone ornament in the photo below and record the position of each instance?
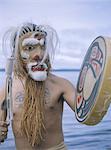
(94, 83)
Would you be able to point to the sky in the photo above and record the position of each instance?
(77, 22)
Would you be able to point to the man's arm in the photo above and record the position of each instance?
(69, 93)
(2, 105)
(3, 115)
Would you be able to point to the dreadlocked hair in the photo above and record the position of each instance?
(32, 119)
(32, 123)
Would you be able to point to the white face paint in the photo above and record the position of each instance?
(24, 55)
(33, 41)
(37, 73)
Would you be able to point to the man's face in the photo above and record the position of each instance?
(32, 51)
(32, 47)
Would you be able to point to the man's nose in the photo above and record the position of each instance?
(36, 58)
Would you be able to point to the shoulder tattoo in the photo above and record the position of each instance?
(19, 97)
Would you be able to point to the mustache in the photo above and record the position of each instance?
(34, 66)
(20, 67)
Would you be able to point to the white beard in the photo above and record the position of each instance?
(36, 75)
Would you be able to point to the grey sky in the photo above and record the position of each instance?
(77, 22)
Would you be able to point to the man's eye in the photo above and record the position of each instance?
(29, 48)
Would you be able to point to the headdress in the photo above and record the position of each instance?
(12, 36)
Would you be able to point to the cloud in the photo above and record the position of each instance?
(78, 22)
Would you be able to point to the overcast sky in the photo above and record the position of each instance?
(77, 22)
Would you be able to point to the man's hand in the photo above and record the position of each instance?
(3, 130)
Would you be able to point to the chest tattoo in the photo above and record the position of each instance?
(19, 97)
(47, 96)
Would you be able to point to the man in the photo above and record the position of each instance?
(38, 95)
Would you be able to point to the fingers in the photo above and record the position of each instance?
(4, 123)
(3, 133)
(3, 137)
(3, 130)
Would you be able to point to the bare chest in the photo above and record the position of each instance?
(51, 98)
(52, 108)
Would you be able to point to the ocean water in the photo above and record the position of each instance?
(77, 136)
